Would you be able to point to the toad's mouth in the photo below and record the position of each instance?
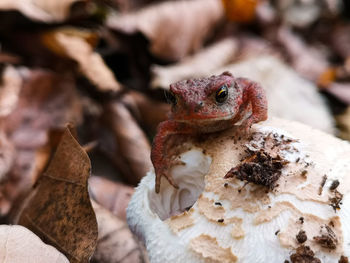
(203, 118)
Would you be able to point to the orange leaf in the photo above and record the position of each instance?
(240, 10)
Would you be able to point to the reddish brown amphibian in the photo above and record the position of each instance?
(203, 106)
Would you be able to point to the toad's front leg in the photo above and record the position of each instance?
(253, 94)
(160, 156)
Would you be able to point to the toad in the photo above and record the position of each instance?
(206, 105)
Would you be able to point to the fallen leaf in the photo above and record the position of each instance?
(115, 242)
(132, 153)
(59, 210)
(340, 40)
(79, 46)
(9, 90)
(219, 54)
(7, 156)
(47, 101)
(111, 195)
(309, 61)
(9, 58)
(18, 244)
(240, 10)
(148, 112)
(343, 121)
(174, 28)
(341, 90)
(41, 10)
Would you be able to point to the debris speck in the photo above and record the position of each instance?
(221, 220)
(327, 239)
(335, 201)
(304, 254)
(334, 185)
(301, 236)
(218, 203)
(276, 233)
(324, 179)
(301, 219)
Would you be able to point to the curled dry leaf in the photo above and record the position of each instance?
(111, 195)
(41, 10)
(47, 100)
(59, 210)
(132, 155)
(187, 24)
(343, 121)
(79, 47)
(219, 54)
(147, 111)
(7, 155)
(340, 40)
(341, 90)
(308, 61)
(9, 90)
(115, 241)
(18, 244)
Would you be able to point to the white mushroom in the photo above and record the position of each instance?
(293, 172)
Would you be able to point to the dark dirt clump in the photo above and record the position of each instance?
(335, 201)
(301, 236)
(304, 255)
(334, 185)
(324, 179)
(259, 168)
(327, 239)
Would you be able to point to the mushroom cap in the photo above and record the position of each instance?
(299, 180)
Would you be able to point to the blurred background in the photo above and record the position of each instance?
(103, 66)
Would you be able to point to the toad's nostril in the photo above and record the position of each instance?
(198, 106)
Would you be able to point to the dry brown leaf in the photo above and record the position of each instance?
(174, 28)
(340, 39)
(9, 90)
(42, 10)
(200, 64)
(132, 155)
(343, 121)
(59, 209)
(148, 111)
(111, 195)
(306, 60)
(341, 90)
(79, 47)
(18, 244)
(7, 155)
(240, 10)
(115, 242)
(47, 100)
(9, 58)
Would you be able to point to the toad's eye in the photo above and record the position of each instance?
(170, 97)
(221, 94)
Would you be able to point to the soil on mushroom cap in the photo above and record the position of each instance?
(259, 168)
(304, 254)
(301, 236)
(327, 239)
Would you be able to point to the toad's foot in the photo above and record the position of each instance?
(164, 171)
